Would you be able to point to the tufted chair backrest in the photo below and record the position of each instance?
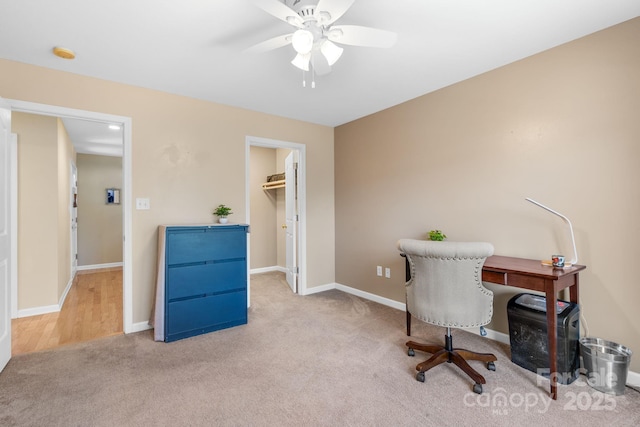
(446, 288)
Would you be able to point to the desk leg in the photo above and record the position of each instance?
(552, 337)
(573, 290)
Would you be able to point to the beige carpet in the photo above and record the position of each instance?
(327, 359)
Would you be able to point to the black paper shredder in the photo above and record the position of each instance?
(527, 314)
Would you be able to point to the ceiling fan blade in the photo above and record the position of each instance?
(271, 44)
(357, 35)
(320, 64)
(280, 11)
(335, 9)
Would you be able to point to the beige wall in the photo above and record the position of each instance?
(263, 208)
(560, 127)
(99, 224)
(44, 261)
(37, 209)
(188, 156)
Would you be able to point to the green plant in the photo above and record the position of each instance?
(437, 235)
(222, 211)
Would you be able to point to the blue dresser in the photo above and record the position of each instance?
(205, 279)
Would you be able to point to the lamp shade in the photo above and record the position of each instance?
(302, 61)
(302, 41)
(331, 51)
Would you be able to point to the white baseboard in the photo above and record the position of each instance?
(318, 289)
(267, 269)
(46, 309)
(63, 297)
(371, 297)
(100, 266)
(139, 327)
(35, 311)
(500, 337)
(633, 379)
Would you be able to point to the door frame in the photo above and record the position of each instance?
(256, 141)
(127, 210)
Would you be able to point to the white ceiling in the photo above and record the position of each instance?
(90, 137)
(195, 47)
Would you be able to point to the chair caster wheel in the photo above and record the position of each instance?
(411, 353)
(477, 388)
(420, 377)
(491, 366)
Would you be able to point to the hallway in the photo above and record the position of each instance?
(92, 309)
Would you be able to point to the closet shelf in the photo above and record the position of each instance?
(273, 185)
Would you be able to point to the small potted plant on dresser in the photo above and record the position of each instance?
(222, 212)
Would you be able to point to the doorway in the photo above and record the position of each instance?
(294, 227)
(125, 122)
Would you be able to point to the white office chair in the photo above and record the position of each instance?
(445, 289)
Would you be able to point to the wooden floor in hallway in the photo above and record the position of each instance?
(92, 309)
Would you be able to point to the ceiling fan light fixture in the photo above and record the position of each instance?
(302, 61)
(335, 34)
(323, 16)
(302, 41)
(331, 52)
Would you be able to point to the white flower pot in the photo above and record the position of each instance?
(223, 220)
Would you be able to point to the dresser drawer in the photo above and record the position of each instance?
(192, 245)
(186, 318)
(205, 279)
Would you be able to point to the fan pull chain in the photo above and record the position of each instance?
(313, 79)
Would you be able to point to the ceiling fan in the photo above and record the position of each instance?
(315, 36)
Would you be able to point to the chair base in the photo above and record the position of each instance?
(458, 356)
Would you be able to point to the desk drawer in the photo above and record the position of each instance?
(494, 277)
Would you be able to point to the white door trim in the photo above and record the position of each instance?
(6, 255)
(126, 122)
(302, 197)
(13, 194)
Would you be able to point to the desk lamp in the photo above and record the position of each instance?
(574, 260)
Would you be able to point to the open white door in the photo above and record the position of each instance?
(291, 218)
(74, 220)
(5, 232)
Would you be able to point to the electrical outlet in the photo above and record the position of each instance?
(143, 203)
(387, 273)
(379, 270)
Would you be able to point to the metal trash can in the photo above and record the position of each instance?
(606, 364)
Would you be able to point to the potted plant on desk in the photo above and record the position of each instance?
(222, 212)
(437, 235)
